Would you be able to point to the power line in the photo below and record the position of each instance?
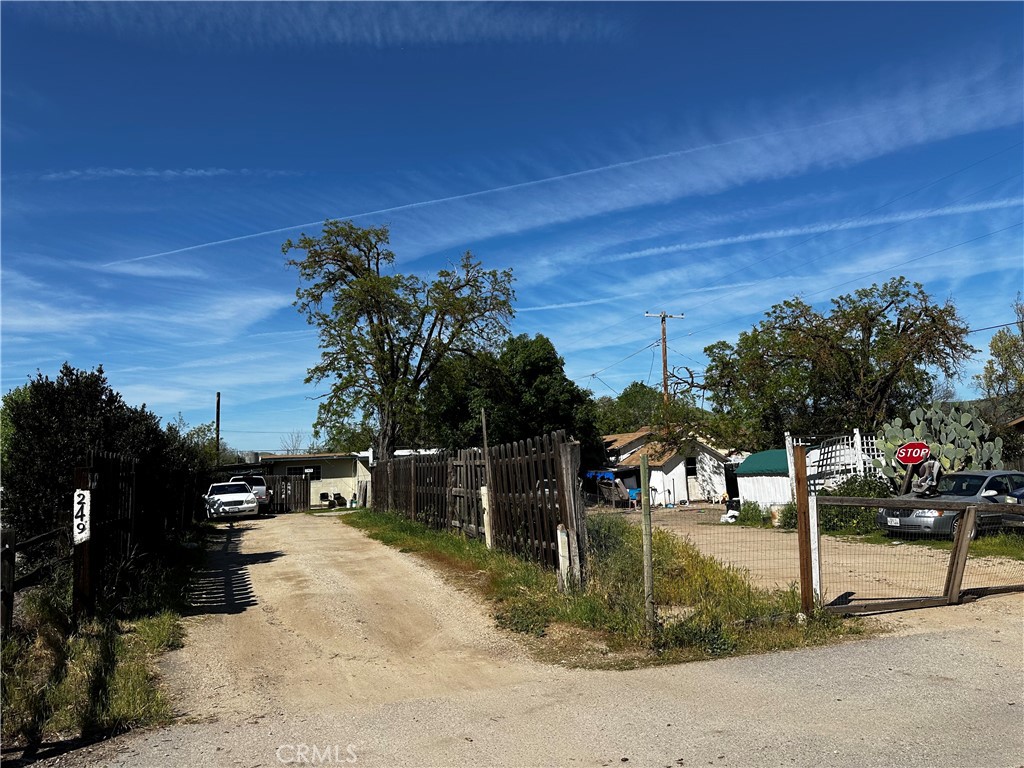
(843, 222)
(602, 370)
(992, 327)
(614, 391)
(836, 227)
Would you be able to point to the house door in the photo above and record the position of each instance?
(732, 486)
(693, 491)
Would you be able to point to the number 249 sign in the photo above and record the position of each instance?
(80, 516)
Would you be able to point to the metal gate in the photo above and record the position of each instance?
(899, 575)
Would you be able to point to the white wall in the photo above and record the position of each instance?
(710, 476)
(765, 490)
(663, 480)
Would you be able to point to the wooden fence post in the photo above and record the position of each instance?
(803, 529)
(576, 516)
(564, 560)
(958, 557)
(412, 488)
(815, 538)
(487, 515)
(648, 542)
(487, 492)
(6, 585)
(83, 563)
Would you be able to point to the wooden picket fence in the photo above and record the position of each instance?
(528, 489)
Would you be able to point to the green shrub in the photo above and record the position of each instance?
(787, 517)
(753, 514)
(709, 608)
(835, 519)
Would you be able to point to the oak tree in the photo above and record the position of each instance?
(876, 353)
(383, 333)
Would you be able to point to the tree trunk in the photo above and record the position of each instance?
(385, 443)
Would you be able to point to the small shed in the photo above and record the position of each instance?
(764, 478)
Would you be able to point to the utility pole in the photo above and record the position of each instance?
(664, 348)
(217, 437)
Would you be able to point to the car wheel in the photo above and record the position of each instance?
(956, 526)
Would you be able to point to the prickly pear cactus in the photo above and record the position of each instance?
(958, 438)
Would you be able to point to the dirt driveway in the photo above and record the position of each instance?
(313, 645)
(861, 570)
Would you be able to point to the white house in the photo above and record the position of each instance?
(697, 471)
(347, 474)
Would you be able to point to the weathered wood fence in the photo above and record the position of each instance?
(517, 496)
(11, 582)
(115, 530)
(116, 516)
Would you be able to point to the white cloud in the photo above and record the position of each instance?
(779, 143)
(375, 25)
(163, 174)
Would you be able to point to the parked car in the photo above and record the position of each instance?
(979, 487)
(233, 499)
(259, 487)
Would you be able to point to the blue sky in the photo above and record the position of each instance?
(706, 159)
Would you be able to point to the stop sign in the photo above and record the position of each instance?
(913, 453)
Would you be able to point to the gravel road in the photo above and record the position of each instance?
(313, 645)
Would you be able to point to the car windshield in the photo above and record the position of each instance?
(960, 485)
(226, 488)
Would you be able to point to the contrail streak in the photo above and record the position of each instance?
(504, 188)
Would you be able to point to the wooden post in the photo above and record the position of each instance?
(958, 557)
(217, 436)
(485, 493)
(83, 588)
(412, 488)
(803, 529)
(488, 519)
(575, 517)
(815, 539)
(6, 585)
(563, 559)
(648, 540)
(791, 465)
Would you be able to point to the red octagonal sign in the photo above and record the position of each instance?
(913, 453)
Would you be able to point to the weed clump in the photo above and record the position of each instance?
(706, 608)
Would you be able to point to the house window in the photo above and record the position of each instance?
(310, 473)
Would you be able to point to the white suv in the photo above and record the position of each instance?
(259, 489)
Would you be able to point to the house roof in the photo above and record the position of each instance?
(658, 454)
(617, 442)
(308, 456)
(771, 463)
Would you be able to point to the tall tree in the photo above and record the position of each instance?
(1001, 382)
(524, 390)
(638, 405)
(879, 352)
(49, 426)
(1002, 378)
(294, 442)
(383, 333)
